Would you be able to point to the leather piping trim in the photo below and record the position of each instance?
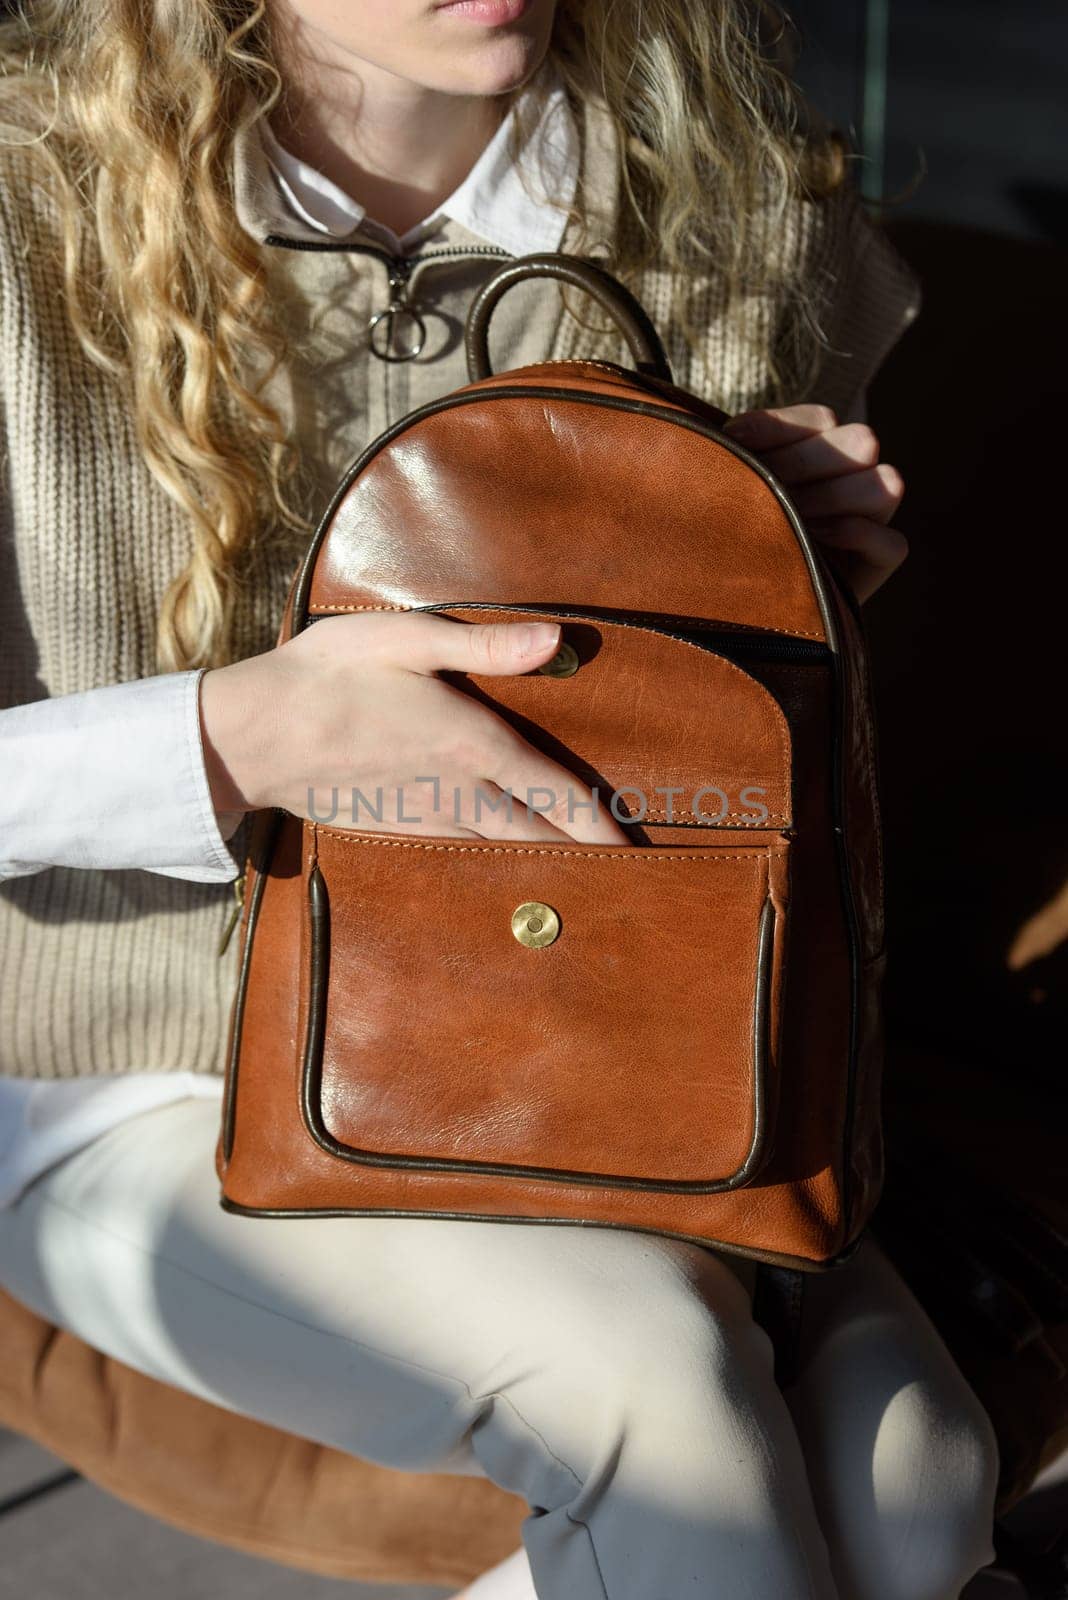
(799, 1263)
(852, 926)
(646, 408)
(312, 1075)
(259, 883)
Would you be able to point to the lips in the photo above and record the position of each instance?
(491, 13)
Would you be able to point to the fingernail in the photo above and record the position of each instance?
(538, 635)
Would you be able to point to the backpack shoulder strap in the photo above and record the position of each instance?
(778, 1303)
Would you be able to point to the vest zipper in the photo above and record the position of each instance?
(400, 270)
(341, 246)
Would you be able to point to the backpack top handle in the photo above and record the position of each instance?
(581, 273)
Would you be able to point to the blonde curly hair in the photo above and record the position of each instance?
(134, 106)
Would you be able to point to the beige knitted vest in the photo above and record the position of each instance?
(114, 972)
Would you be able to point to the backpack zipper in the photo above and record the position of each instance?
(753, 646)
(739, 644)
(238, 891)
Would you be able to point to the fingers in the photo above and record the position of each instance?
(886, 548)
(487, 811)
(546, 800)
(533, 799)
(554, 793)
(441, 644)
(502, 813)
(769, 428)
(456, 805)
(873, 494)
(865, 552)
(831, 470)
(849, 448)
(480, 778)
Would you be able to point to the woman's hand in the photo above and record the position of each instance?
(353, 703)
(845, 495)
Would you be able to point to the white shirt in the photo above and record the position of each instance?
(492, 201)
(143, 798)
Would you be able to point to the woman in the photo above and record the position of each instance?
(205, 204)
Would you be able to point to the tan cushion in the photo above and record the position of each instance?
(224, 1477)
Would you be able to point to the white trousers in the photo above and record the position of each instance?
(616, 1380)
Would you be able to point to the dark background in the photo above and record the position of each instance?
(976, 92)
(961, 116)
(968, 639)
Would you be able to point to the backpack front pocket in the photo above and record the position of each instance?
(594, 1014)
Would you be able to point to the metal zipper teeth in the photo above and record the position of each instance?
(400, 270)
(341, 246)
(749, 646)
(754, 646)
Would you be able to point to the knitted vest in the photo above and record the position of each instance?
(114, 972)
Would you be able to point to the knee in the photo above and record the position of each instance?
(936, 1493)
(675, 1356)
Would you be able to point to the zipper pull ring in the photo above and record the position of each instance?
(399, 311)
(232, 920)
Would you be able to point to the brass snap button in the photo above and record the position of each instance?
(535, 924)
(563, 664)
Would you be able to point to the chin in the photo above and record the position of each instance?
(495, 69)
(493, 62)
(501, 77)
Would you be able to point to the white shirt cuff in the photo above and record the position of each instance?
(111, 778)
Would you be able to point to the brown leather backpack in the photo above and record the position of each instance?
(681, 1035)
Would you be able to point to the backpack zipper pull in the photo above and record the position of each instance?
(232, 921)
(399, 307)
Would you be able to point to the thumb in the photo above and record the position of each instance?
(496, 648)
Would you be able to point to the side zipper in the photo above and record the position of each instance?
(235, 913)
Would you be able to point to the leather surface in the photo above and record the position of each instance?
(455, 1072)
(625, 1046)
(543, 501)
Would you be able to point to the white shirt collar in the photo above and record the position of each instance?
(492, 202)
